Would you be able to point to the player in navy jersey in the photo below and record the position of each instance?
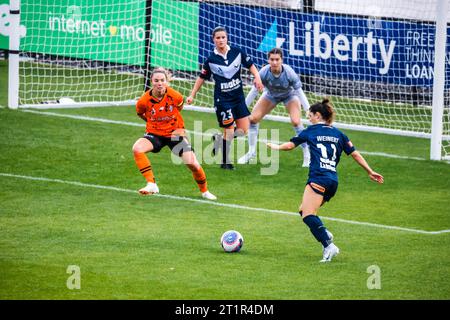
(326, 144)
(281, 84)
(224, 65)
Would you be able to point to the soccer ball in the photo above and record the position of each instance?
(232, 241)
(65, 100)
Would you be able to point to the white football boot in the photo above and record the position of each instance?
(208, 195)
(330, 235)
(329, 253)
(246, 158)
(150, 188)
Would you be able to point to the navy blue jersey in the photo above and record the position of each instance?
(326, 144)
(226, 72)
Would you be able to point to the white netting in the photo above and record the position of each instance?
(374, 59)
(84, 50)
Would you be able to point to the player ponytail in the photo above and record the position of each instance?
(326, 110)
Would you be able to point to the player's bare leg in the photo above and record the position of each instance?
(242, 126)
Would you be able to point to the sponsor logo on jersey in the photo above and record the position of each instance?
(165, 118)
(231, 85)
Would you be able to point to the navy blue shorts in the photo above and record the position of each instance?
(177, 144)
(325, 187)
(228, 112)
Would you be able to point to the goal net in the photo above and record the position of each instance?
(374, 59)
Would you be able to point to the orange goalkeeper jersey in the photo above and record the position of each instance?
(163, 115)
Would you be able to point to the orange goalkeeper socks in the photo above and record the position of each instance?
(144, 166)
(200, 177)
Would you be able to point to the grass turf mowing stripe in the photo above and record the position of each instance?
(234, 206)
(136, 124)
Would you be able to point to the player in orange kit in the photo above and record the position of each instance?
(160, 107)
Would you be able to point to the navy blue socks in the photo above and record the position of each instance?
(317, 229)
(226, 146)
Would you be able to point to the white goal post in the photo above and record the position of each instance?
(439, 83)
(385, 65)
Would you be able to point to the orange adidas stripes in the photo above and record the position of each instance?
(200, 177)
(143, 163)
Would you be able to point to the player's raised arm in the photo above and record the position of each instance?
(363, 163)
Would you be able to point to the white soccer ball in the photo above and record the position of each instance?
(232, 241)
(66, 100)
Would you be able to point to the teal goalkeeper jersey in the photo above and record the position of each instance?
(282, 86)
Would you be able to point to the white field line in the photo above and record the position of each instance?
(219, 204)
(141, 124)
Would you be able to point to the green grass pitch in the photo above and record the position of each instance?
(85, 211)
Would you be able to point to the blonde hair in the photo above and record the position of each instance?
(160, 70)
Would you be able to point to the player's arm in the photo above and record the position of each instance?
(142, 116)
(205, 74)
(178, 100)
(180, 105)
(284, 146)
(363, 163)
(197, 85)
(140, 109)
(287, 146)
(257, 81)
(297, 85)
(303, 99)
(253, 93)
